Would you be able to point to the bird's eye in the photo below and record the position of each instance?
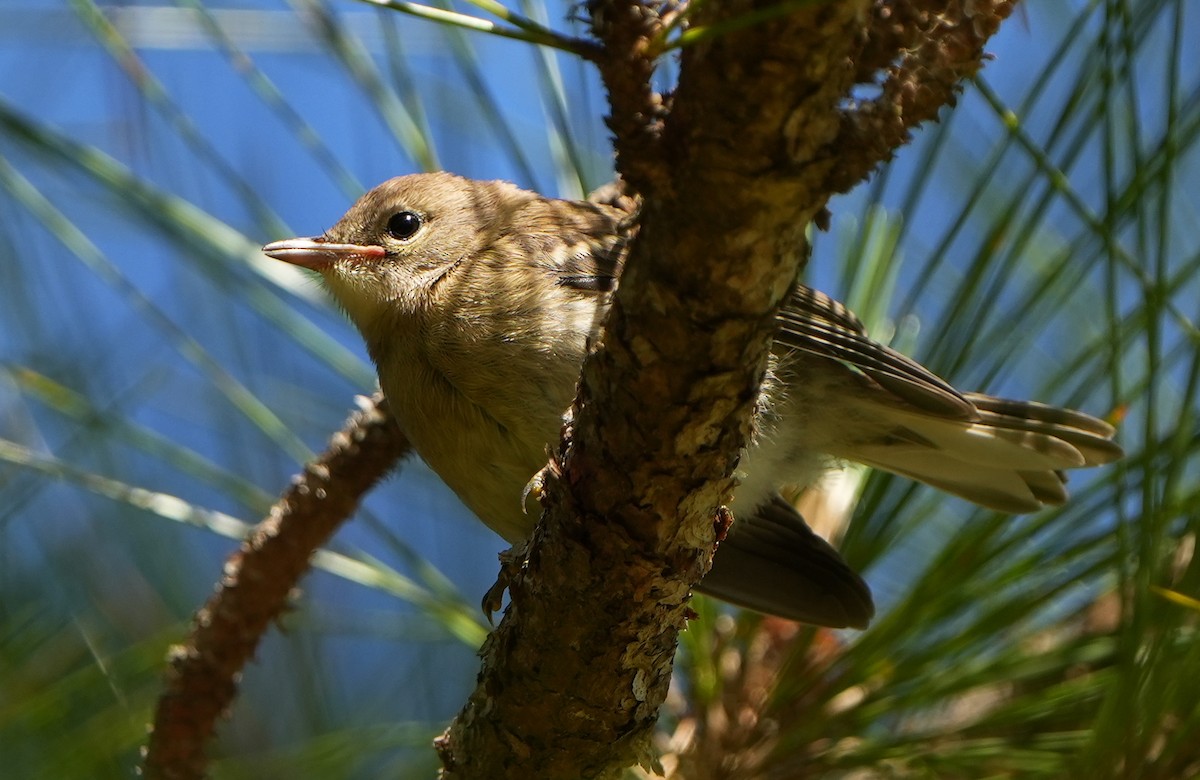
(403, 225)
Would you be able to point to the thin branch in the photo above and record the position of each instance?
(924, 52)
(202, 680)
(523, 28)
(627, 31)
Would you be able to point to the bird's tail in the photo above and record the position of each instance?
(1010, 456)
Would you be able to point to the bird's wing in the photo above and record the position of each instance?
(772, 562)
(813, 322)
(1003, 454)
(589, 264)
(586, 248)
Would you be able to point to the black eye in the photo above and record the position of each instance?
(403, 225)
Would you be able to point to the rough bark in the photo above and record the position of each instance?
(759, 134)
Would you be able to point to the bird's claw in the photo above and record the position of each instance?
(512, 561)
(493, 599)
(535, 488)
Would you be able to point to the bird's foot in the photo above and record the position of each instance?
(512, 561)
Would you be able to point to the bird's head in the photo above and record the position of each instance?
(400, 241)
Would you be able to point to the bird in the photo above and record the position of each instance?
(477, 301)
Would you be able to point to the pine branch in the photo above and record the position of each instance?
(730, 170)
(202, 680)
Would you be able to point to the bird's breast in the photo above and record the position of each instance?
(483, 425)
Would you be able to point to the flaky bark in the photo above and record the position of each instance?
(758, 136)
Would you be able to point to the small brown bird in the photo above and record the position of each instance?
(477, 299)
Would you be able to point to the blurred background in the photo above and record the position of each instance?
(160, 382)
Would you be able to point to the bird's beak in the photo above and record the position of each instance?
(318, 253)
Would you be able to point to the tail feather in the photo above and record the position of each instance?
(1005, 490)
(1090, 436)
(1011, 457)
(1047, 486)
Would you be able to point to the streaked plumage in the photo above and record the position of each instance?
(478, 322)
